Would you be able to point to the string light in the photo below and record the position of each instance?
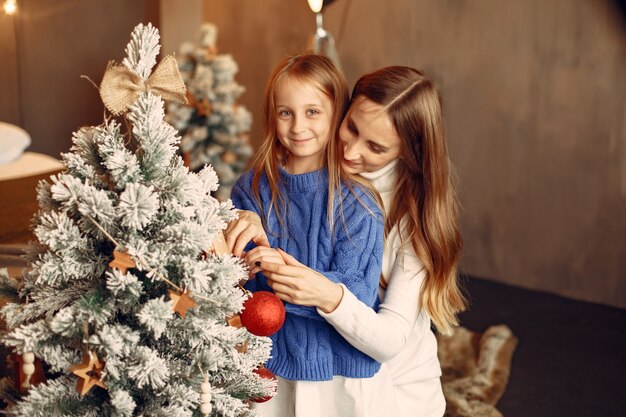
(10, 7)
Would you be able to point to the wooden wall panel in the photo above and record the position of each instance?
(535, 106)
(258, 35)
(57, 42)
(179, 24)
(534, 92)
(9, 110)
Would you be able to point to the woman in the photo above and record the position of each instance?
(393, 134)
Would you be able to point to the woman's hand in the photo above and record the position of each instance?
(262, 254)
(298, 284)
(246, 228)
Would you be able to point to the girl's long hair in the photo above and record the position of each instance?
(428, 220)
(319, 71)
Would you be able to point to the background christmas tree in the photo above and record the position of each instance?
(213, 126)
(126, 200)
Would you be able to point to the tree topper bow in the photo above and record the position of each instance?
(120, 86)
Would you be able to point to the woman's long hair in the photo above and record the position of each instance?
(320, 72)
(429, 220)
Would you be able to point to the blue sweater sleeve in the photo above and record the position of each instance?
(357, 254)
(240, 194)
(243, 200)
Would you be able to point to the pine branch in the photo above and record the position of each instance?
(9, 287)
(142, 50)
(156, 139)
(228, 406)
(129, 190)
(43, 302)
(54, 398)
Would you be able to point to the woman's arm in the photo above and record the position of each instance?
(380, 335)
(298, 284)
(356, 263)
(356, 258)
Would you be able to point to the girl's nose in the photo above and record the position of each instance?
(297, 125)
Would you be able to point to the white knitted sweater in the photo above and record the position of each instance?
(399, 334)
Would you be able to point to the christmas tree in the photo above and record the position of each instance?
(213, 126)
(124, 302)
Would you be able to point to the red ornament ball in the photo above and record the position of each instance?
(263, 313)
(264, 373)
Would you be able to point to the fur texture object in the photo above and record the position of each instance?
(476, 368)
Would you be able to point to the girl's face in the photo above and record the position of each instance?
(303, 120)
(368, 137)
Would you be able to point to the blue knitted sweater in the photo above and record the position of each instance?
(307, 348)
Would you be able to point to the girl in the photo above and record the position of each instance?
(393, 135)
(314, 210)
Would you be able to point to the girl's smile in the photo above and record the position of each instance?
(303, 119)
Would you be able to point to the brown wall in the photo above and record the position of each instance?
(9, 109)
(534, 91)
(535, 99)
(178, 24)
(41, 61)
(258, 35)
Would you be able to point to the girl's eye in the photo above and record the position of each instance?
(312, 112)
(284, 113)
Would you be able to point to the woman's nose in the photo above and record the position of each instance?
(350, 149)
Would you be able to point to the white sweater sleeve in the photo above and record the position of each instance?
(382, 335)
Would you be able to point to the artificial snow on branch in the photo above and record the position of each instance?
(123, 234)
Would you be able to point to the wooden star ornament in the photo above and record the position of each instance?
(181, 302)
(187, 159)
(122, 261)
(242, 347)
(89, 373)
(234, 321)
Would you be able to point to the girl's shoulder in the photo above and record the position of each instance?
(245, 180)
(246, 177)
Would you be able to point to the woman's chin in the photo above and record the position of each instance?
(351, 169)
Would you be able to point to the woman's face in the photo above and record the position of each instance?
(368, 137)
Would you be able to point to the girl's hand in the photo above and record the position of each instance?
(262, 254)
(298, 284)
(246, 228)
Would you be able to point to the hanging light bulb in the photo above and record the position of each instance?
(316, 5)
(10, 7)
(323, 42)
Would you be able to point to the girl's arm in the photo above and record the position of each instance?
(379, 335)
(236, 233)
(356, 264)
(357, 251)
(246, 228)
(298, 284)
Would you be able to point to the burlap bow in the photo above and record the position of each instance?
(120, 87)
